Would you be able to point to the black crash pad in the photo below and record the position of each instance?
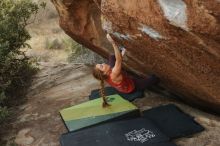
(172, 121)
(111, 91)
(138, 132)
(162, 144)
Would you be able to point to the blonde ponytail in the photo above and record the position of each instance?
(102, 94)
(100, 76)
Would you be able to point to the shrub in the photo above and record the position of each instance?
(81, 54)
(15, 68)
(54, 44)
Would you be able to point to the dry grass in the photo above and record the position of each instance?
(47, 36)
(50, 43)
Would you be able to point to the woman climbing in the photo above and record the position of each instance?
(112, 73)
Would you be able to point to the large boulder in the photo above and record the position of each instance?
(178, 40)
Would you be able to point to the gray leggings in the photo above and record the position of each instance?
(140, 83)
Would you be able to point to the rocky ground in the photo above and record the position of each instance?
(57, 86)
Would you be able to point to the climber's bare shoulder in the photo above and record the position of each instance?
(116, 77)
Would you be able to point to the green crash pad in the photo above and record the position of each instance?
(91, 112)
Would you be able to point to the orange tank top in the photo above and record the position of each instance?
(125, 86)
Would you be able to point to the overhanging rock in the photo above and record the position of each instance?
(177, 40)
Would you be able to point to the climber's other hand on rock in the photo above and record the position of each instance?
(110, 38)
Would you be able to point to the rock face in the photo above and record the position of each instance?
(178, 40)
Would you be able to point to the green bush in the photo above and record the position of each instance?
(80, 54)
(76, 49)
(15, 68)
(54, 44)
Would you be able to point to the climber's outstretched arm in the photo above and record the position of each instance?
(116, 71)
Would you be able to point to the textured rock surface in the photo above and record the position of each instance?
(179, 40)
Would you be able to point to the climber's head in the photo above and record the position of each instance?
(101, 71)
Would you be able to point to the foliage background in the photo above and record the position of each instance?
(16, 68)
